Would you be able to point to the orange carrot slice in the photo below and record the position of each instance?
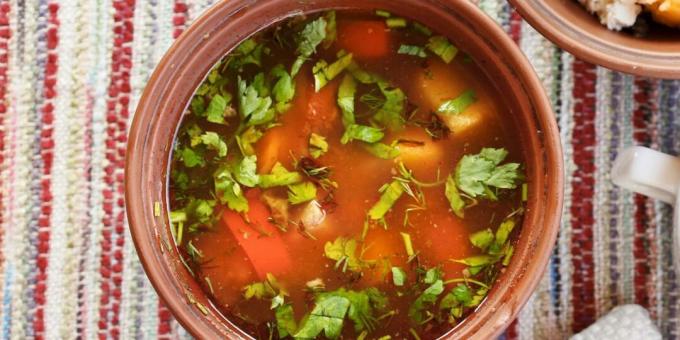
(259, 238)
(364, 39)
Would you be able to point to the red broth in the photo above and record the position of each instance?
(284, 251)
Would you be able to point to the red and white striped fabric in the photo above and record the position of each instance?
(71, 73)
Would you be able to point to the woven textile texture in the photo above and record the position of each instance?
(71, 73)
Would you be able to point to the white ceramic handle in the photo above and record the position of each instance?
(648, 172)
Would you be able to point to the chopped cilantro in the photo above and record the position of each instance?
(398, 276)
(346, 92)
(324, 73)
(246, 140)
(383, 151)
(459, 297)
(284, 89)
(198, 105)
(327, 317)
(248, 52)
(192, 158)
(417, 310)
(477, 174)
(455, 200)
(198, 211)
(228, 191)
(344, 252)
(214, 142)
(332, 308)
(266, 289)
(255, 108)
(279, 176)
(310, 37)
(285, 320)
(391, 113)
(331, 29)
(482, 239)
(459, 104)
(390, 195)
(317, 145)
(441, 46)
(301, 193)
(363, 133)
(246, 171)
(412, 50)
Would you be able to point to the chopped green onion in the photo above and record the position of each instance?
(408, 245)
(396, 22)
(459, 104)
(525, 192)
(415, 51)
(441, 46)
(383, 13)
(422, 29)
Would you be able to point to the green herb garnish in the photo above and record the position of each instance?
(285, 320)
(246, 172)
(254, 104)
(214, 142)
(390, 194)
(459, 104)
(246, 140)
(324, 73)
(284, 89)
(398, 276)
(396, 22)
(332, 308)
(441, 46)
(318, 145)
(279, 176)
(344, 252)
(383, 151)
(481, 176)
(477, 174)
(412, 50)
(301, 193)
(390, 114)
(346, 92)
(362, 133)
(228, 191)
(217, 109)
(309, 38)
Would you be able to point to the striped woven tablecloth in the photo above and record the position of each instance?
(71, 73)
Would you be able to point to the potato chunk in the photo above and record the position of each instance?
(666, 12)
(444, 82)
(421, 158)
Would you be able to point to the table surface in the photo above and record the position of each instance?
(71, 72)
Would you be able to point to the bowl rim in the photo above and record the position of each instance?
(593, 49)
(149, 244)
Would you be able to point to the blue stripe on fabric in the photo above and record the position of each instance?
(7, 301)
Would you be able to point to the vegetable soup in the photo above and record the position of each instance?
(346, 175)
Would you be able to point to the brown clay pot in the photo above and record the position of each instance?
(571, 27)
(218, 31)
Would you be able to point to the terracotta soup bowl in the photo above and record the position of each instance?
(212, 36)
(571, 27)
